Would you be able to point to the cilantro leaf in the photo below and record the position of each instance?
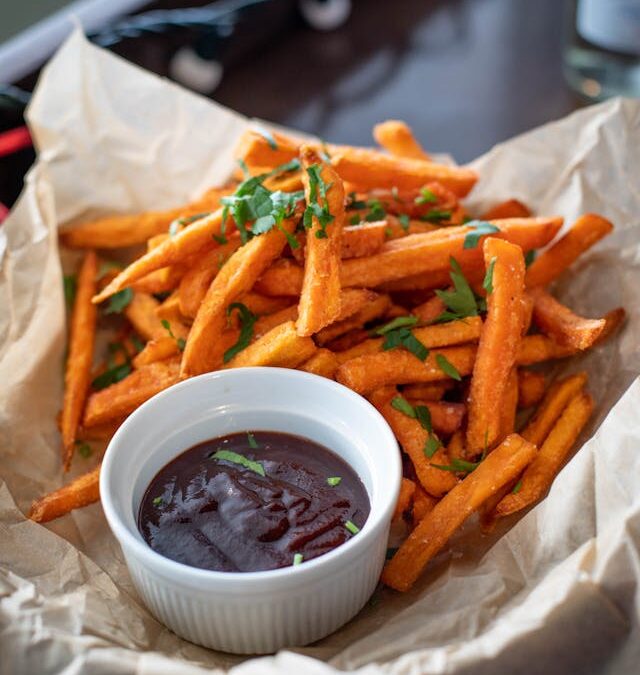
(403, 337)
(181, 342)
(436, 215)
(423, 415)
(317, 187)
(352, 527)
(111, 376)
(70, 283)
(420, 412)
(487, 284)
(480, 229)
(355, 203)
(334, 480)
(84, 449)
(247, 319)
(404, 221)
(237, 458)
(251, 439)
(431, 446)
(529, 257)
(105, 267)
(118, 301)
(426, 197)
(401, 404)
(517, 487)
(461, 301)
(157, 501)
(457, 466)
(398, 322)
(376, 211)
(297, 559)
(447, 367)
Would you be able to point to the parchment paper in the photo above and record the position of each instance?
(557, 593)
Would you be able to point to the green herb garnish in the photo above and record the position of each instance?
(398, 322)
(457, 466)
(70, 283)
(118, 301)
(480, 229)
(352, 527)
(447, 367)
(84, 449)
(529, 257)
(137, 343)
(241, 460)
(517, 487)
(334, 480)
(436, 215)
(426, 197)
(297, 559)
(431, 446)
(247, 319)
(317, 186)
(181, 342)
(376, 211)
(397, 333)
(355, 203)
(157, 501)
(487, 284)
(105, 267)
(461, 301)
(405, 222)
(390, 552)
(185, 220)
(111, 376)
(251, 439)
(271, 141)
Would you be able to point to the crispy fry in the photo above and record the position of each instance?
(584, 233)
(323, 362)
(368, 169)
(376, 306)
(555, 319)
(157, 349)
(397, 138)
(102, 432)
(405, 498)
(320, 295)
(170, 308)
(430, 310)
(531, 387)
(433, 532)
(362, 240)
(281, 347)
(446, 417)
(539, 475)
(345, 342)
(122, 398)
(555, 401)
(191, 240)
(455, 449)
(266, 323)
(498, 346)
(203, 350)
(423, 503)
(430, 391)
(283, 278)
(81, 491)
(197, 279)
(511, 208)
(538, 348)
(161, 281)
(256, 151)
(129, 230)
(142, 314)
(509, 406)
(78, 368)
(412, 437)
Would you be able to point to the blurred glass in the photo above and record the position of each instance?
(602, 52)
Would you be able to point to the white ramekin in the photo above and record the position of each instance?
(257, 612)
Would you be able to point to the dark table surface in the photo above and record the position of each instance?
(465, 74)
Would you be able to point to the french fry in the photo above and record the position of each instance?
(130, 230)
(368, 169)
(405, 498)
(430, 391)
(446, 417)
(266, 323)
(121, 399)
(362, 240)
(509, 406)
(161, 281)
(203, 350)
(397, 138)
(263, 304)
(418, 202)
(281, 347)
(320, 295)
(501, 466)
(376, 306)
(555, 319)
(554, 402)
(488, 515)
(538, 348)
(78, 367)
(197, 279)
(511, 208)
(103, 432)
(498, 346)
(81, 491)
(347, 341)
(283, 278)
(423, 503)
(531, 388)
(142, 314)
(157, 349)
(430, 310)
(191, 240)
(323, 362)
(539, 475)
(169, 309)
(412, 437)
(455, 449)
(584, 233)
(256, 150)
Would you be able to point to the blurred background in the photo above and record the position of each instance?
(465, 74)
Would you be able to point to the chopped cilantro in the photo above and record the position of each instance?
(529, 257)
(487, 284)
(297, 559)
(517, 487)
(271, 141)
(157, 501)
(137, 343)
(70, 282)
(355, 203)
(426, 197)
(247, 319)
(457, 466)
(447, 367)
(237, 458)
(403, 337)
(398, 322)
(84, 449)
(352, 527)
(111, 376)
(334, 480)
(480, 229)
(175, 225)
(251, 439)
(404, 221)
(461, 302)
(436, 215)
(431, 446)
(376, 211)
(181, 342)
(317, 186)
(391, 552)
(105, 267)
(118, 301)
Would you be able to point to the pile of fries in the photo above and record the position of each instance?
(362, 266)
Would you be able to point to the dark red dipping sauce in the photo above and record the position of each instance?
(213, 508)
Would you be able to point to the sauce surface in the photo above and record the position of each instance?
(252, 501)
